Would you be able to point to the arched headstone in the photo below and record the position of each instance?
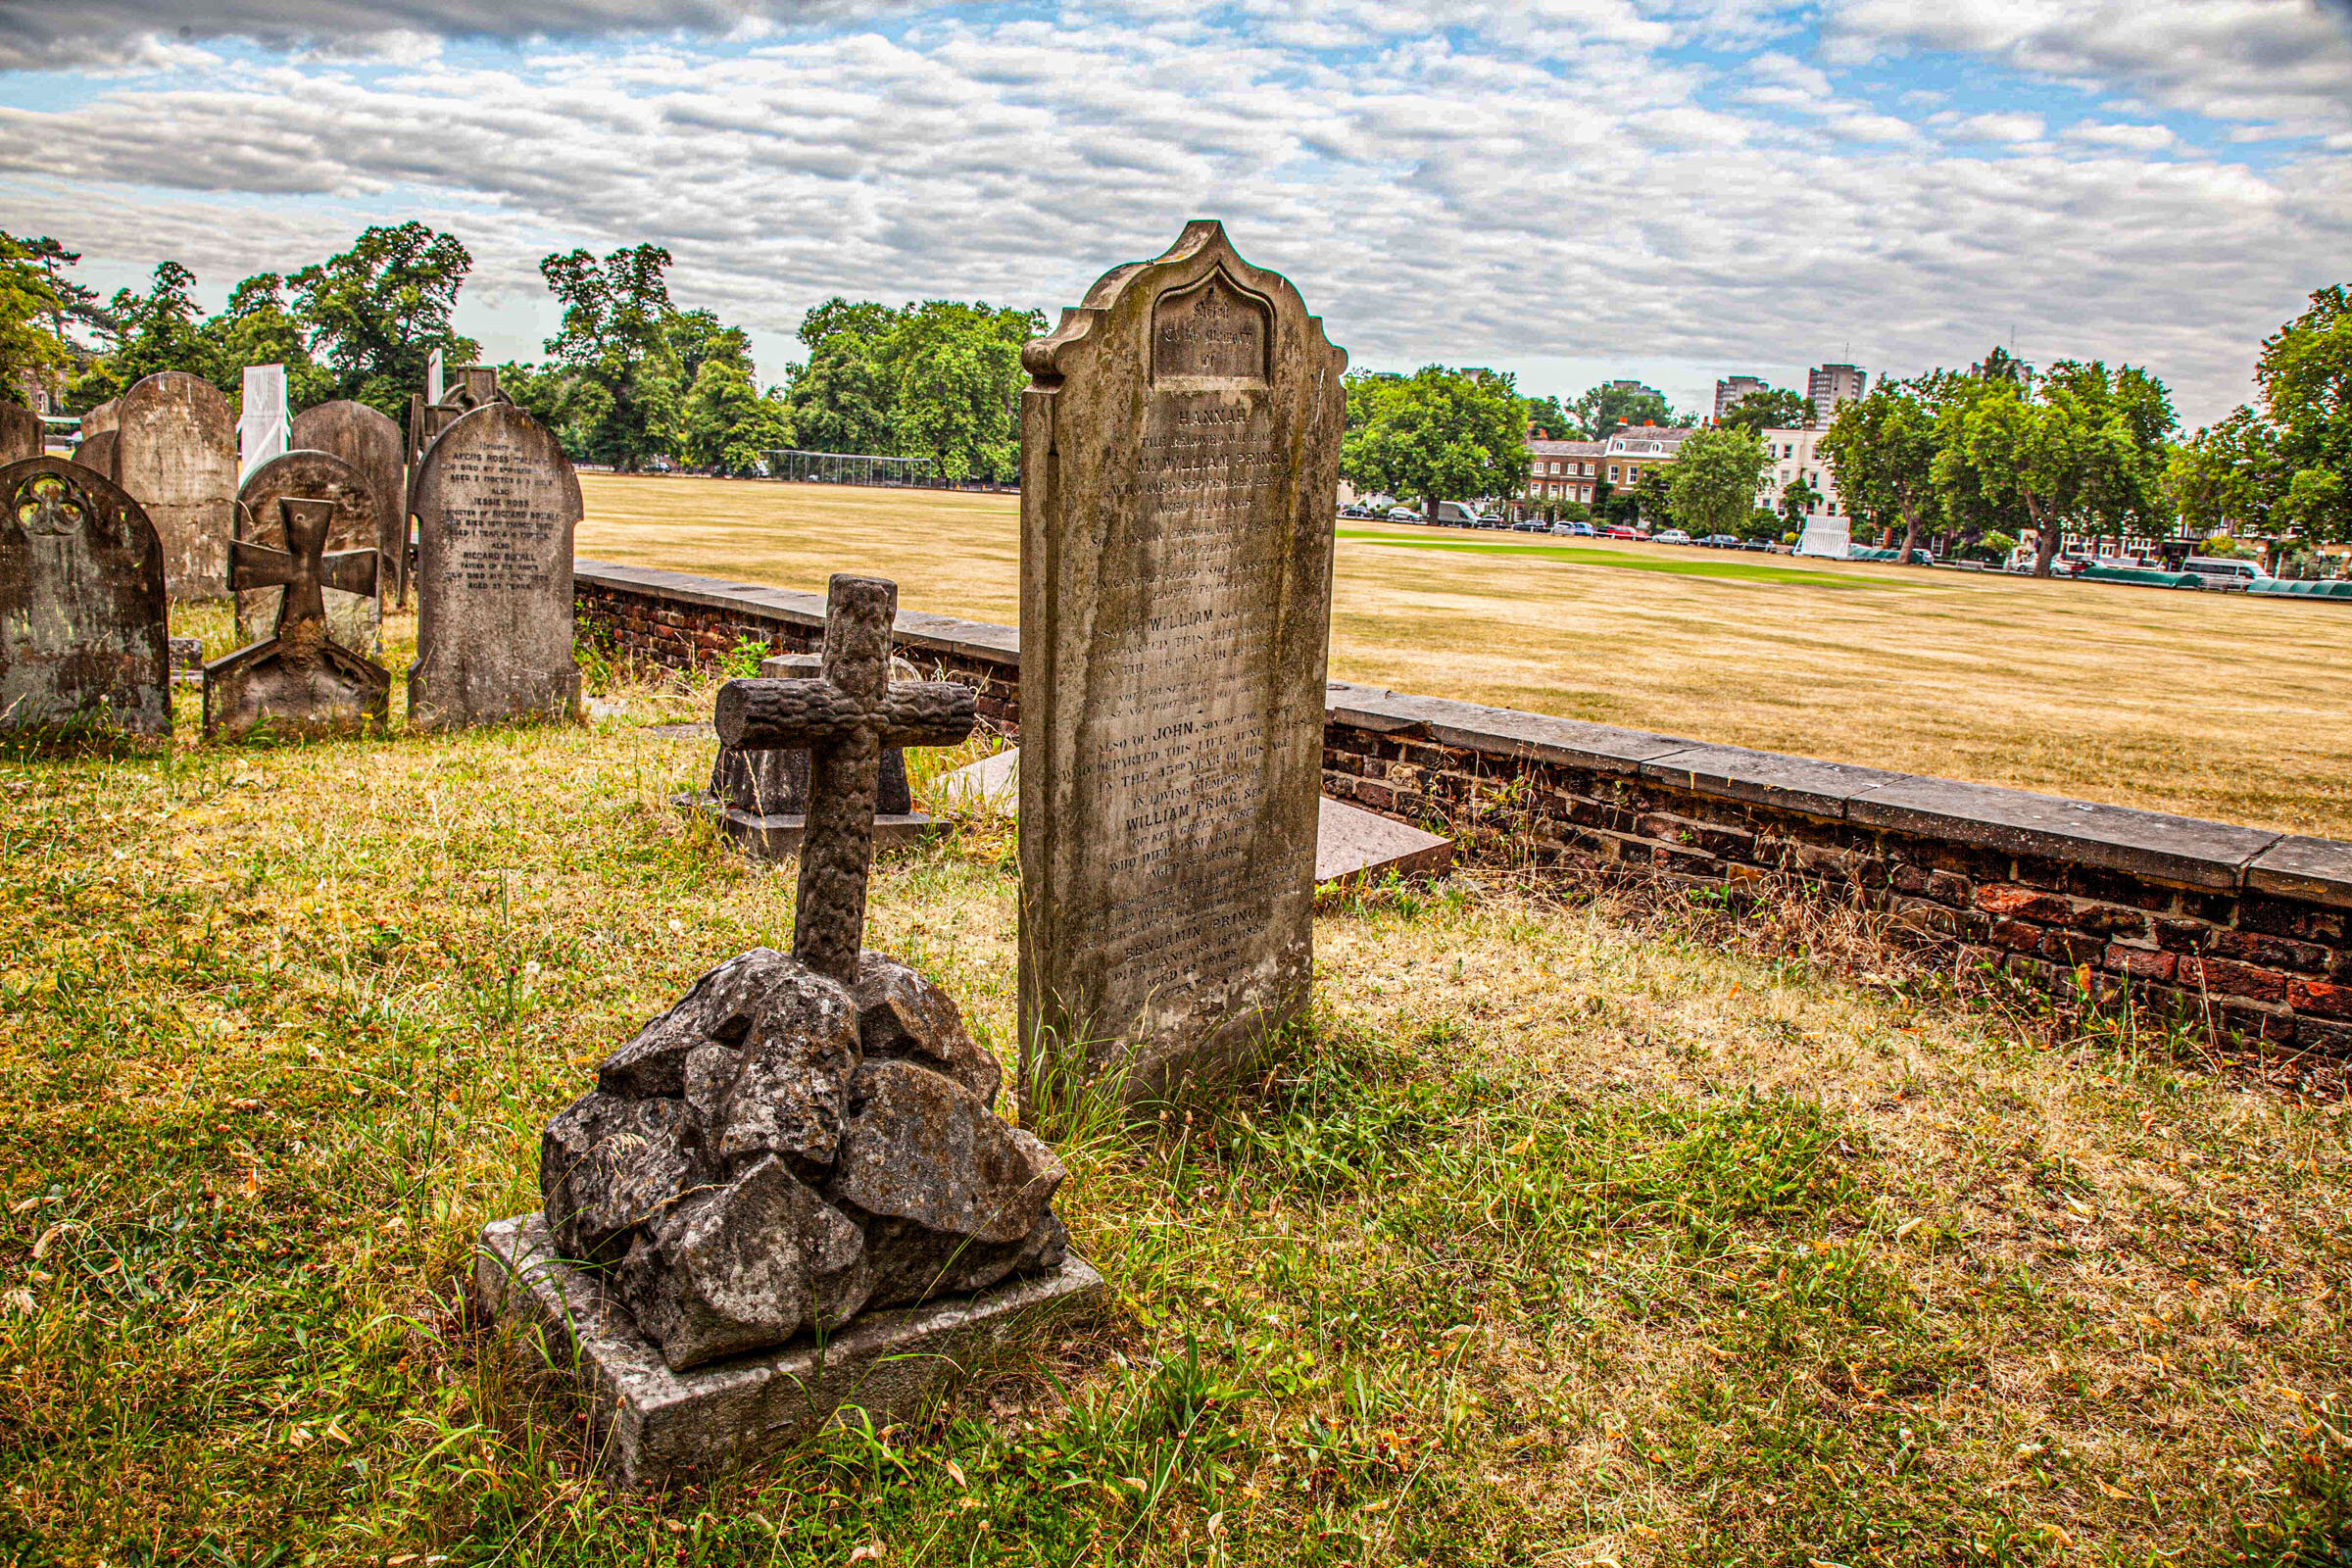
(1180, 449)
(496, 504)
(21, 433)
(354, 620)
(97, 452)
(176, 451)
(370, 442)
(81, 602)
(103, 417)
(299, 680)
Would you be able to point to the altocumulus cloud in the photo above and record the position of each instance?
(1720, 184)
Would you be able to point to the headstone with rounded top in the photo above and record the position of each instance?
(176, 451)
(354, 620)
(495, 502)
(96, 453)
(369, 441)
(1180, 445)
(81, 602)
(101, 416)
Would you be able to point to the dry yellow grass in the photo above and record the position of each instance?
(2204, 704)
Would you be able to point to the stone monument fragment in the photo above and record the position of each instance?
(370, 442)
(175, 452)
(21, 433)
(495, 502)
(354, 620)
(1180, 445)
(760, 799)
(81, 602)
(262, 431)
(299, 681)
(790, 1191)
(96, 453)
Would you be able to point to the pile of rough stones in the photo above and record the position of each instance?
(778, 1153)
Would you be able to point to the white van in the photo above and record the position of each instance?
(2224, 571)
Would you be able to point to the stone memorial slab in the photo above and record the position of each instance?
(81, 604)
(1350, 843)
(760, 799)
(354, 620)
(21, 433)
(300, 681)
(262, 429)
(1180, 447)
(495, 502)
(96, 453)
(103, 417)
(370, 442)
(175, 452)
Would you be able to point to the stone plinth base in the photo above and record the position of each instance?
(778, 836)
(653, 1427)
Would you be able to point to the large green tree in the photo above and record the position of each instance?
(256, 329)
(624, 394)
(955, 375)
(155, 332)
(726, 424)
(2305, 374)
(1604, 408)
(1445, 434)
(30, 316)
(1711, 486)
(1882, 448)
(377, 312)
(2086, 450)
(1776, 408)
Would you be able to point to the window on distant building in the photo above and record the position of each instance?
(1612, 471)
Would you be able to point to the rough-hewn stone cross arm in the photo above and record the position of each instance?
(303, 567)
(845, 718)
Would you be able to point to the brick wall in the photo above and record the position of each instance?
(2245, 928)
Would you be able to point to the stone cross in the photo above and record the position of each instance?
(845, 718)
(303, 568)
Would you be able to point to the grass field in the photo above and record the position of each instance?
(1570, 1236)
(2204, 704)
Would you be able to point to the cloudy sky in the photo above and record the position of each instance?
(1674, 189)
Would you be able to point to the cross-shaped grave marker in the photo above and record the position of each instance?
(303, 568)
(298, 678)
(845, 718)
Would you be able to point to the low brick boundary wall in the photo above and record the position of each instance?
(2248, 928)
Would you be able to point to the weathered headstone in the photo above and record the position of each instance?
(1180, 444)
(262, 428)
(299, 681)
(370, 442)
(101, 416)
(356, 621)
(175, 452)
(760, 798)
(81, 602)
(21, 433)
(794, 1180)
(495, 502)
(431, 413)
(96, 453)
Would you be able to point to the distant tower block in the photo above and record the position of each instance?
(1829, 385)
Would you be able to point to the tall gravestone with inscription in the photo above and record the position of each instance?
(175, 451)
(1180, 447)
(496, 504)
(21, 433)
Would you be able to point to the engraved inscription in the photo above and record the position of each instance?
(504, 516)
(1211, 329)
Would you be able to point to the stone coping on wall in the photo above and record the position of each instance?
(2175, 851)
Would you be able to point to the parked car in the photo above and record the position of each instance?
(1619, 530)
(1357, 512)
(1670, 536)
(2224, 571)
(1488, 519)
(1756, 544)
(1575, 530)
(1529, 526)
(1403, 514)
(1721, 541)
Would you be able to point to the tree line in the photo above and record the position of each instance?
(630, 379)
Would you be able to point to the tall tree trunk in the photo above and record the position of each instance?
(2047, 535)
(1910, 535)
